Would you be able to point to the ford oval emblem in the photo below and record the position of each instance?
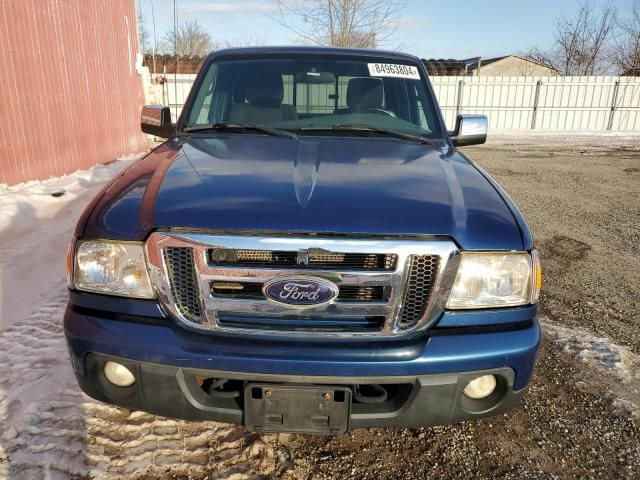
(300, 292)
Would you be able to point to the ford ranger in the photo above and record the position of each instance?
(308, 251)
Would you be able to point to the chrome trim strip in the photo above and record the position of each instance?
(446, 250)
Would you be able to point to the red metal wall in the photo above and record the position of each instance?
(70, 96)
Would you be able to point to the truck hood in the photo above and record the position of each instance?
(366, 186)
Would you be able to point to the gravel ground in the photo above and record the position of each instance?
(581, 418)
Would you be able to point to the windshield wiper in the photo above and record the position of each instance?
(346, 127)
(276, 132)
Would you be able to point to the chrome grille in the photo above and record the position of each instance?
(422, 273)
(227, 296)
(313, 259)
(183, 281)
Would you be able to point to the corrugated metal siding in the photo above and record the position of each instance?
(70, 96)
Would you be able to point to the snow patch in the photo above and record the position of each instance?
(597, 351)
(602, 354)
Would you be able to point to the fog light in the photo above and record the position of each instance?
(118, 374)
(480, 387)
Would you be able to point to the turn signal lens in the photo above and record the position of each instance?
(536, 282)
(480, 387)
(70, 256)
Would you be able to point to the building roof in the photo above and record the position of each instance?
(449, 66)
(489, 61)
(455, 67)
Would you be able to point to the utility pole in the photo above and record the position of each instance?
(175, 41)
(155, 38)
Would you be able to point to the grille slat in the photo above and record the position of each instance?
(315, 260)
(348, 293)
(355, 293)
(336, 324)
(249, 290)
(422, 273)
(184, 284)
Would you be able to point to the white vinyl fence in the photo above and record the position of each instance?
(544, 103)
(512, 103)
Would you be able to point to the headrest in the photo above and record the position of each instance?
(265, 89)
(364, 93)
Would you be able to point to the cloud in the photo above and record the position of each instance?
(227, 7)
(411, 23)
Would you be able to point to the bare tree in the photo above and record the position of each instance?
(341, 23)
(581, 43)
(252, 40)
(143, 35)
(627, 44)
(190, 40)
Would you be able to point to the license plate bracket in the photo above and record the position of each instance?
(297, 408)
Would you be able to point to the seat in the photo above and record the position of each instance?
(264, 94)
(363, 93)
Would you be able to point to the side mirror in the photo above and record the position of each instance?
(470, 130)
(156, 120)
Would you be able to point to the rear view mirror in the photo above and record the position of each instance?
(315, 78)
(156, 120)
(470, 130)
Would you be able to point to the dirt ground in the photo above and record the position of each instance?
(581, 419)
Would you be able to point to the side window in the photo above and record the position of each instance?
(315, 99)
(423, 121)
(343, 88)
(406, 100)
(287, 81)
(201, 110)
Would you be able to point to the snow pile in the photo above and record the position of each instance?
(43, 199)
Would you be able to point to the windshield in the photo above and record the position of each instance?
(316, 96)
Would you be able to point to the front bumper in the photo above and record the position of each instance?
(170, 362)
(175, 392)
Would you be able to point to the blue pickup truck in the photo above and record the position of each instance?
(307, 252)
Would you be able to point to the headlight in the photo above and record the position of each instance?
(112, 268)
(490, 280)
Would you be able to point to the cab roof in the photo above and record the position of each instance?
(313, 50)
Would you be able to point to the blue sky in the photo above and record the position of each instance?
(428, 28)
